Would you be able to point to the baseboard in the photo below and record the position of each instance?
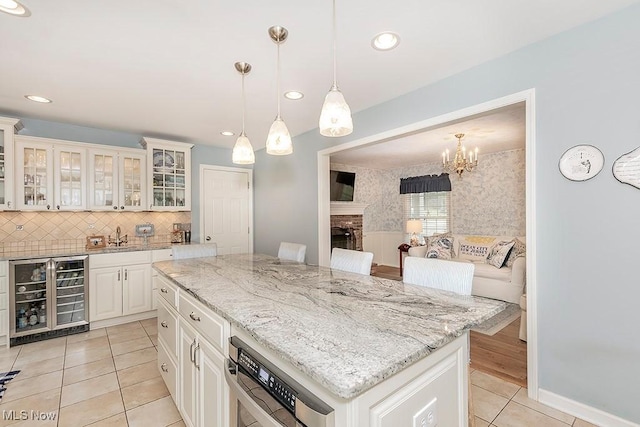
(122, 319)
(582, 411)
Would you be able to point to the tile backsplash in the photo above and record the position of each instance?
(68, 230)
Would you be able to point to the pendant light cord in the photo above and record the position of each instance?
(243, 103)
(278, 79)
(335, 77)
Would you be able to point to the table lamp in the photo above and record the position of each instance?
(414, 226)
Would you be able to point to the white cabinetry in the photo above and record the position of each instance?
(119, 284)
(4, 308)
(7, 126)
(117, 179)
(169, 174)
(204, 397)
(157, 256)
(51, 174)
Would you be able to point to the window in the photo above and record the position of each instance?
(432, 208)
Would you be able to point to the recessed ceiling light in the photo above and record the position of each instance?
(385, 41)
(227, 133)
(36, 98)
(14, 8)
(294, 94)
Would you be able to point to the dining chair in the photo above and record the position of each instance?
(439, 274)
(194, 250)
(292, 251)
(352, 261)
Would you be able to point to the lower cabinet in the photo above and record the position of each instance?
(203, 392)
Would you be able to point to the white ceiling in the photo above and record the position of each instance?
(164, 68)
(497, 130)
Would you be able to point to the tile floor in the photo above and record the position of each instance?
(108, 377)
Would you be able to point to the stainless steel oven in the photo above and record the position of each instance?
(267, 397)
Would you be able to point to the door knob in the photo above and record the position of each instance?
(208, 238)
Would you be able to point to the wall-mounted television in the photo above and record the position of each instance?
(341, 186)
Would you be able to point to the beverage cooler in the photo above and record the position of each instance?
(48, 297)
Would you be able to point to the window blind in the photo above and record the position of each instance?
(433, 209)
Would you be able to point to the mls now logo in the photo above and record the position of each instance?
(24, 415)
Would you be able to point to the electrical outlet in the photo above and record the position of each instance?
(19, 227)
(92, 226)
(427, 416)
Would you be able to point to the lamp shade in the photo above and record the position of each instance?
(279, 139)
(414, 226)
(335, 117)
(243, 151)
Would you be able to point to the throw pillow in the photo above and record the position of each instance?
(475, 248)
(440, 246)
(519, 249)
(499, 252)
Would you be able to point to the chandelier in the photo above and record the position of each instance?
(460, 162)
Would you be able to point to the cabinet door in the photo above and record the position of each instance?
(70, 181)
(103, 179)
(169, 174)
(213, 395)
(187, 394)
(132, 182)
(105, 293)
(137, 288)
(34, 187)
(7, 201)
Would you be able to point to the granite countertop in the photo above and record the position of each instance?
(346, 331)
(51, 253)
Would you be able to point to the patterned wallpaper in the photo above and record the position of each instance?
(490, 200)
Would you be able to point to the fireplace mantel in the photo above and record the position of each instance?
(347, 208)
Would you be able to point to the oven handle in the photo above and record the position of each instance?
(230, 375)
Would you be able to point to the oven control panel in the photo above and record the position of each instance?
(277, 388)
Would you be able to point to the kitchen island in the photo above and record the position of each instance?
(373, 349)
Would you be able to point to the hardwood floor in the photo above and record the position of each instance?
(502, 355)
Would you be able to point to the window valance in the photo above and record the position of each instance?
(425, 184)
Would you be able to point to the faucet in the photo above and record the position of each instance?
(119, 239)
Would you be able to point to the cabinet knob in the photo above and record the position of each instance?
(115, 207)
(122, 207)
(48, 206)
(208, 238)
(164, 324)
(58, 207)
(164, 367)
(164, 290)
(8, 204)
(194, 317)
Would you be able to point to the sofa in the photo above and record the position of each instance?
(500, 265)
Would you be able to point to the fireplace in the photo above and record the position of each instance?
(346, 232)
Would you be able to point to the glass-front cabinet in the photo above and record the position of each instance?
(52, 174)
(169, 165)
(7, 127)
(117, 179)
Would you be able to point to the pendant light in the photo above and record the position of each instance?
(243, 151)
(279, 140)
(335, 117)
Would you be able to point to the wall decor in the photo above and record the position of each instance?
(626, 168)
(581, 162)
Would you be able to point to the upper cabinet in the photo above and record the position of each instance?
(169, 171)
(51, 174)
(7, 127)
(117, 179)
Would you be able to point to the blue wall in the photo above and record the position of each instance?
(587, 91)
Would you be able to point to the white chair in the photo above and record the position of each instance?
(292, 251)
(194, 250)
(439, 274)
(352, 261)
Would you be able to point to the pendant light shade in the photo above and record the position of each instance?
(335, 117)
(279, 140)
(243, 151)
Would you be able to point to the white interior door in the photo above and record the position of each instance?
(226, 201)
